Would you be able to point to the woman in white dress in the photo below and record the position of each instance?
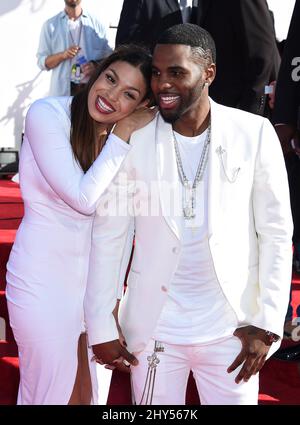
(62, 176)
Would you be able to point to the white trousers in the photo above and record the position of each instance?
(208, 362)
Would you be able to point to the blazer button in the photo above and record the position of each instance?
(175, 250)
(164, 289)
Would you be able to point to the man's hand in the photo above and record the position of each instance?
(255, 347)
(52, 61)
(114, 355)
(88, 69)
(71, 52)
(271, 100)
(286, 133)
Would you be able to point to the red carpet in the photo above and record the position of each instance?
(280, 381)
(11, 212)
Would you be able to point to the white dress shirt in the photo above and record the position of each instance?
(196, 310)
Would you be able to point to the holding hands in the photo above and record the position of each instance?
(114, 354)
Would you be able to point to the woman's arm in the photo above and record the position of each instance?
(48, 132)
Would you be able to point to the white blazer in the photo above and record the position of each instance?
(249, 229)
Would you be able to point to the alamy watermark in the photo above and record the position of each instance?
(296, 71)
(296, 331)
(137, 198)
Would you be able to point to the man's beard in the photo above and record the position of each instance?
(170, 118)
(186, 103)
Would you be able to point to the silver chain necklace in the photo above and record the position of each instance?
(189, 188)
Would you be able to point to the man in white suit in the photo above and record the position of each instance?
(205, 190)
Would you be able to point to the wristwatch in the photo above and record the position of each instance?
(272, 337)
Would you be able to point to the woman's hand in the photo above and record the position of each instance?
(138, 119)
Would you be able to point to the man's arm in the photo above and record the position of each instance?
(273, 221)
(47, 59)
(260, 54)
(44, 49)
(287, 96)
(52, 61)
(274, 227)
(131, 22)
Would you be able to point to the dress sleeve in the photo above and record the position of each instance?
(47, 130)
(111, 245)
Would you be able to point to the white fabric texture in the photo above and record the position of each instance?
(48, 264)
(249, 227)
(195, 309)
(208, 362)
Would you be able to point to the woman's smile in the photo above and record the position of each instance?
(103, 106)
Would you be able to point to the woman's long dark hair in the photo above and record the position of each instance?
(82, 125)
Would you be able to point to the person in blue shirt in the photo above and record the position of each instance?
(70, 45)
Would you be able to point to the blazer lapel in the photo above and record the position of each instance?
(170, 188)
(215, 171)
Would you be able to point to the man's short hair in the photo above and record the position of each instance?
(192, 35)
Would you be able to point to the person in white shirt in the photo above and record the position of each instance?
(208, 201)
(69, 155)
(70, 45)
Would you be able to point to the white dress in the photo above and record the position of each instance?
(48, 264)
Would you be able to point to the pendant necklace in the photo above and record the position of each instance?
(189, 188)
